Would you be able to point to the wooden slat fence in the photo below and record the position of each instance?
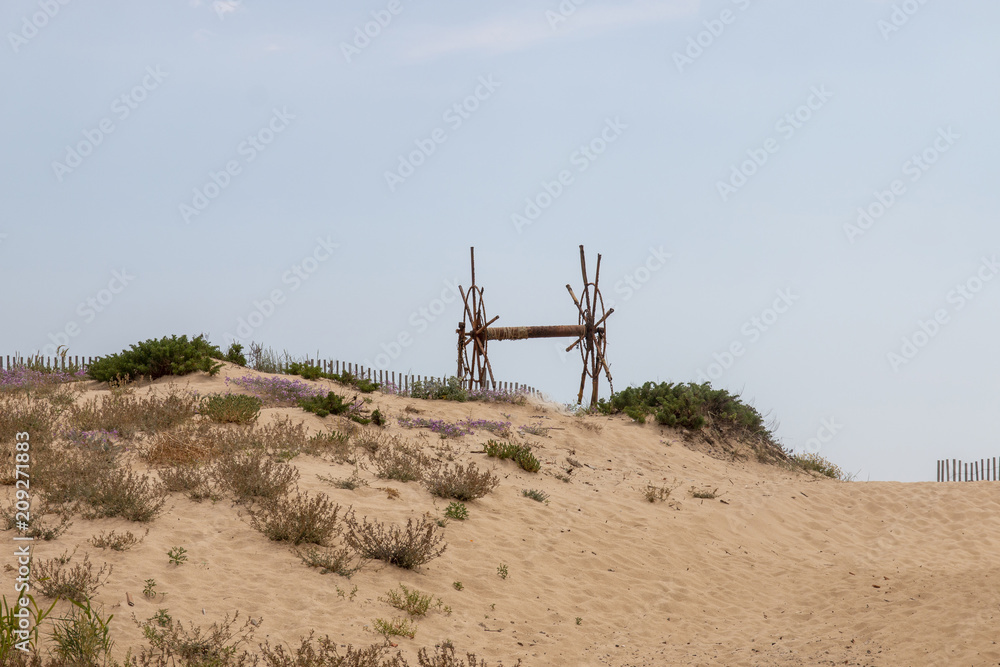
(955, 470)
(401, 381)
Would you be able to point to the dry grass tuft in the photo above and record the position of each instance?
(408, 547)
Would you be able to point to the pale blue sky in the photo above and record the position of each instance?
(214, 153)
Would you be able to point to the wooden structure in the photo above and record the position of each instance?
(475, 332)
(983, 470)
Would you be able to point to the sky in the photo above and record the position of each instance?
(795, 201)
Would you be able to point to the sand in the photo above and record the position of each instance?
(782, 568)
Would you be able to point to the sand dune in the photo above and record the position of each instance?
(782, 568)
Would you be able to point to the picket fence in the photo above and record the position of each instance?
(400, 381)
(953, 470)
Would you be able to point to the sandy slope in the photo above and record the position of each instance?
(781, 569)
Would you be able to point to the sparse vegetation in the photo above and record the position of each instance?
(460, 482)
(408, 548)
(342, 561)
(520, 454)
(55, 579)
(83, 637)
(299, 519)
(535, 494)
(502, 571)
(657, 493)
(412, 601)
(704, 494)
(117, 541)
(254, 476)
(396, 627)
(171, 645)
(813, 461)
(400, 462)
(231, 408)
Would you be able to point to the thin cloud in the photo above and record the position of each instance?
(517, 33)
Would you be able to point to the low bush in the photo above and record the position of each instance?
(253, 475)
(127, 494)
(193, 480)
(342, 561)
(817, 463)
(231, 408)
(276, 392)
(299, 520)
(322, 406)
(520, 454)
(55, 579)
(41, 526)
(234, 355)
(408, 548)
(117, 541)
(171, 645)
(400, 462)
(156, 358)
(327, 655)
(395, 627)
(444, 656)
(460, 482)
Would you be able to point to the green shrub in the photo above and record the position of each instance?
(457, 511)
(449, 390)
(234, 355)
(82, 638)
(412, 601)
(231, 408)
(322, 406)
(520, 454)
(156, 358)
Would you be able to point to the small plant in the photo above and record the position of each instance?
(40, 526)
(460, 482)
(533, 429)
(502, 571)
(704, 494)
(341, 561)
(161, 618)
(378, 418)
(458, 585)
(457, 511)
(150, 590)
(116, 541)
(171, 644)
(231, 408)
(11, 630)
(348, 483)
(535, 494)
(657, 493)
(408, 548)
(579, 620)
(177, 555)
(413, 602)
(396, 627)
